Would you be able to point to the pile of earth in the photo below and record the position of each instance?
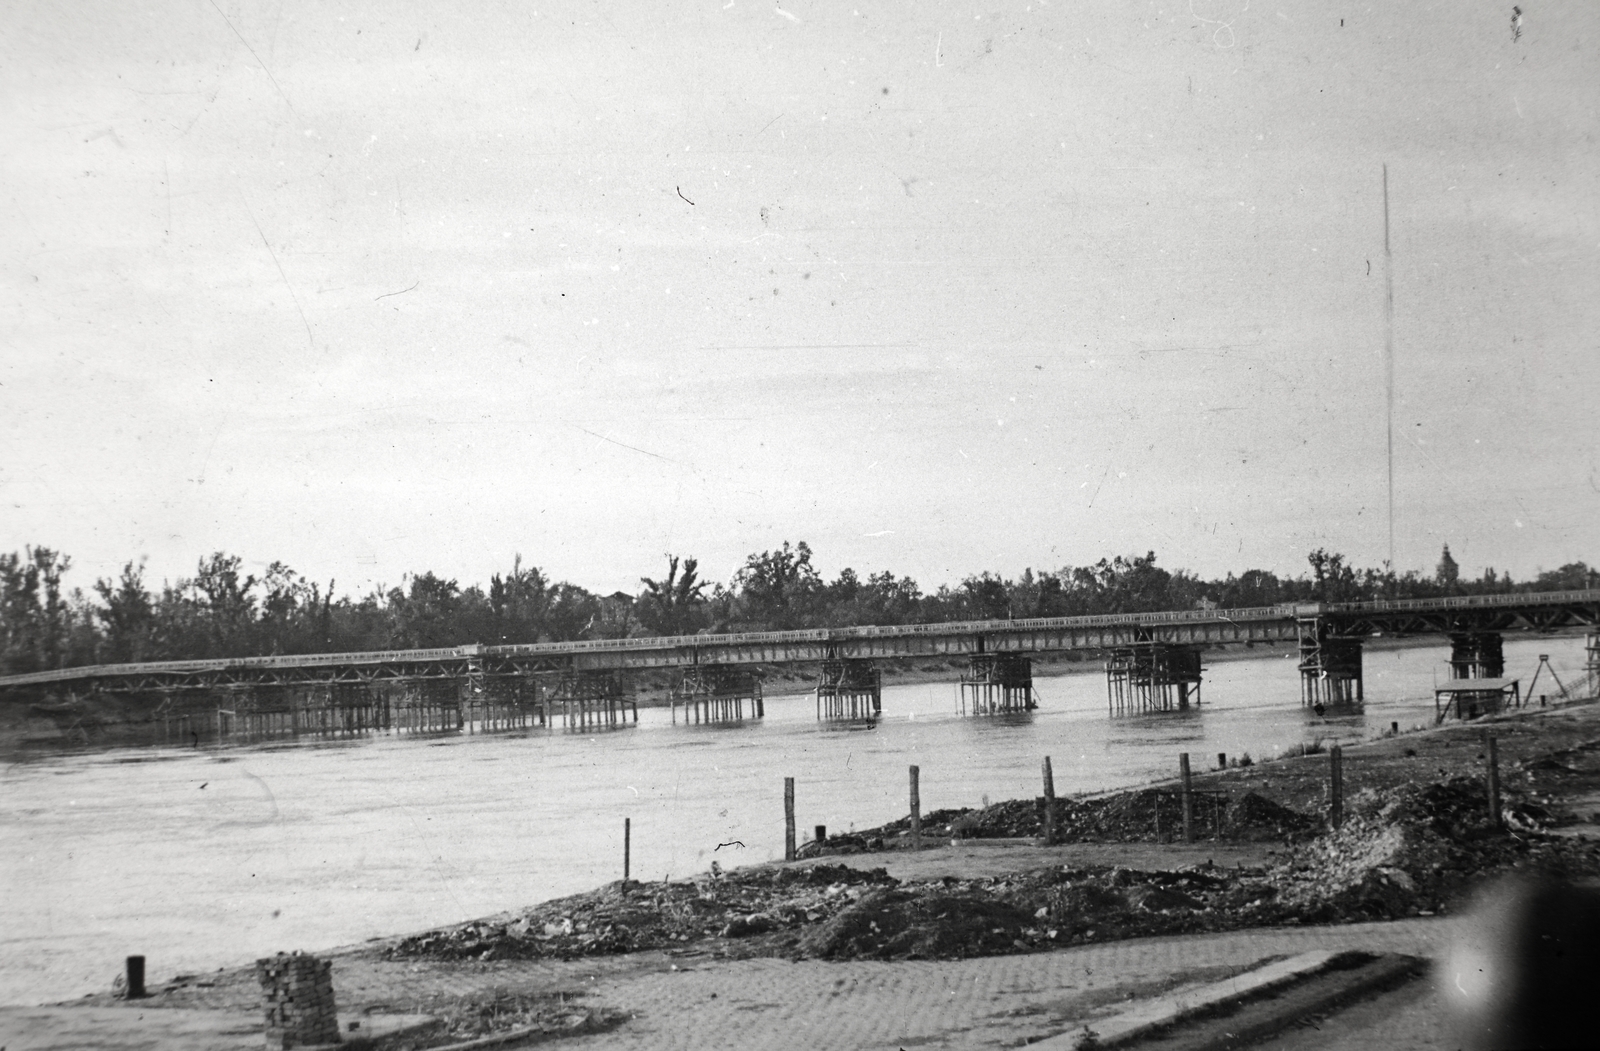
(629, 916)
(1399, 853)
(1417, 848)
(1147, 815)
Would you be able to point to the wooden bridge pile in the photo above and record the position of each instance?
(715, 693)
(849, 690)
(996, 684)
(1152, 677)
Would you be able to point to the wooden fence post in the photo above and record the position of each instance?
(627, 847)
(1494, 782)
(1049, 804)
(788, 819)
(1335, 786)
(916, 811)
(1188, 799)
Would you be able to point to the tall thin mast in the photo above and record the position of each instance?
(1388, 354)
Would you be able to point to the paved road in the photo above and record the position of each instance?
(691, 1002)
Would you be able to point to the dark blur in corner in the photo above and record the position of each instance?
(1525, 972)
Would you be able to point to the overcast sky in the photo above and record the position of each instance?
(937, 287)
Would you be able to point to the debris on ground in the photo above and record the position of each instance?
(626, 917)
(1411, 849)
(1143, 816)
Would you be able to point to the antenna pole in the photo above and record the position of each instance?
(1388, 355)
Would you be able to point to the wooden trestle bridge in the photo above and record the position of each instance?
(1153, 664)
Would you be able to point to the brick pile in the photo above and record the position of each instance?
(297, 993)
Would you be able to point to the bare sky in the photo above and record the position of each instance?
(937, 287)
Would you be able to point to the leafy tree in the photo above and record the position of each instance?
(127, 616)
(518, 604)
(673, 606)
(35, 619)
(777, 588)
(424, 616)
(1574, 576)
(1333, 581)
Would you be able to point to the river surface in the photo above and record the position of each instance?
(199, 858)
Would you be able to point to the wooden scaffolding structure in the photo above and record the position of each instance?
(713, 693)
(997, 683)
(1152, 677)
(850, 688)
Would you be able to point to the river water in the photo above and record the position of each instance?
(200, 858)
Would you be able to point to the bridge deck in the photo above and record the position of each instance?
(1539, 612)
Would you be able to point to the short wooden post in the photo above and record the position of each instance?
(627, 847)
(916, 811)
(788, 819)
(821, 832)
(1188, 799)
(1335, 786)
(1494, 782)
(1222, 760)
(1049, 804)
(135, 978)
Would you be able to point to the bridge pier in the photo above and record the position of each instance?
(1476, 655)
(508, 702)
(592, 700)
(1330, 665)
(717, 693)
(1152, 677)
(997, 683)
(850, 688)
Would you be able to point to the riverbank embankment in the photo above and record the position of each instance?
(983, 904)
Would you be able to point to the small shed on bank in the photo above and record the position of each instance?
(1472, 698)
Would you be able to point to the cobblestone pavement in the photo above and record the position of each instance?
(689, 1001)
(774, 1005)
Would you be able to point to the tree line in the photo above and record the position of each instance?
(223, 611)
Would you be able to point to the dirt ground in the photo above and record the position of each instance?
(1418, 834)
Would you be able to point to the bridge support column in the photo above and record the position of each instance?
(1330, 666)
(592, 700)
(1476, 655)
(509, 702)
(715, 693)
(996, 683)
(849, 689)
(1152, 677)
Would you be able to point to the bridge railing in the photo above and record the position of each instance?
(1253, 614)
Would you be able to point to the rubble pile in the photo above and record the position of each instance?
(1400, 852)
(549, 1014)
(1148, 815)
(1414, 849)
(624, 917)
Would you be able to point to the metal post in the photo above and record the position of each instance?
(916, 811)
(135, 977)
(1049, 804)
(1188, 799)
(1494, 782)
(788, 819)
